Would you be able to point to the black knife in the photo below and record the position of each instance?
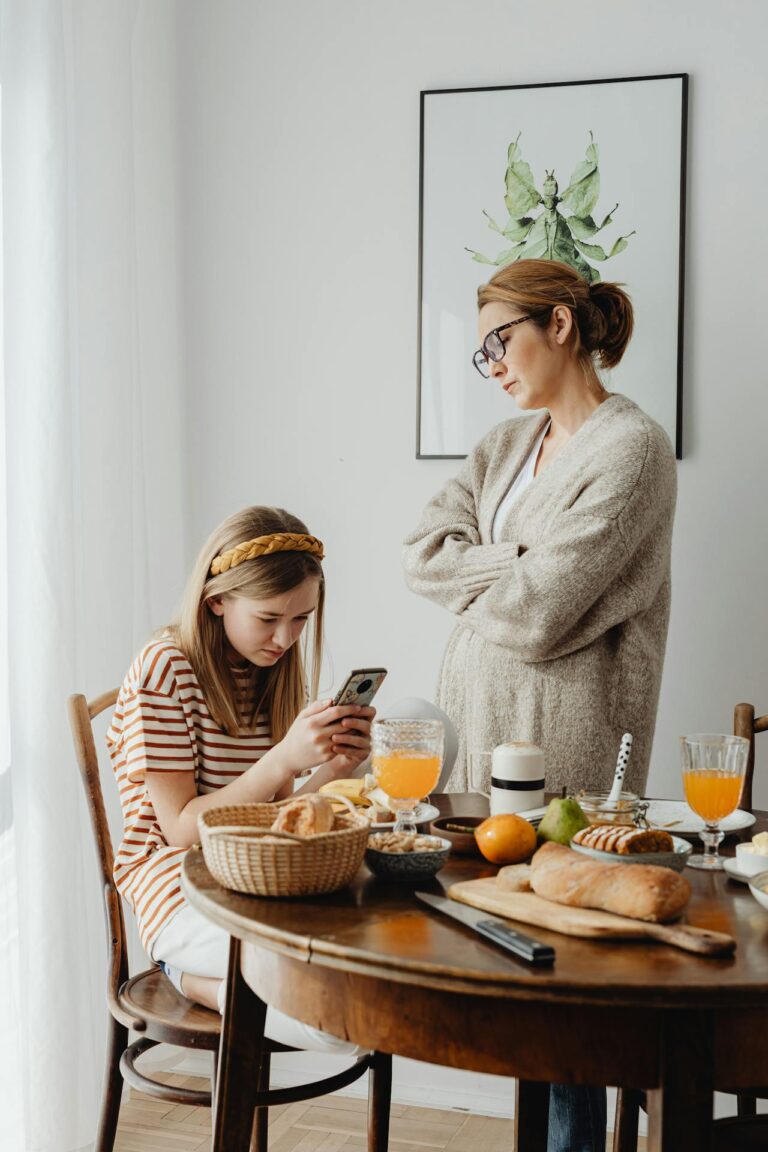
(520, 945)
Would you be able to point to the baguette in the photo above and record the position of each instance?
(623, 840)
(641, 891)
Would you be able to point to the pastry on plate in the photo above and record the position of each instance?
(624, 841)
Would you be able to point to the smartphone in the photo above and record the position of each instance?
(361, 686)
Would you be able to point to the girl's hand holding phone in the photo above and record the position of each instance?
(353, 744)
(324, 731)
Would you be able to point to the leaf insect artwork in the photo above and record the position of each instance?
(553, 235)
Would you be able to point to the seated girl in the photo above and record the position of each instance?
(214, 712)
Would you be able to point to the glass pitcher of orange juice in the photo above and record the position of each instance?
(406, 758)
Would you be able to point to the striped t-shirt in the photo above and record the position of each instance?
(162, 724)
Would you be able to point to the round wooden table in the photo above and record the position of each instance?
(372, 964)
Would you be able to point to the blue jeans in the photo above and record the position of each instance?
(577, 1119)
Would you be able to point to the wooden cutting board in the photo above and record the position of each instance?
(527, 908)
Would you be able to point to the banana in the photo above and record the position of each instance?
(351, 789)
(376, 796)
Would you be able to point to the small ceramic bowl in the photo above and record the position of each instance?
(463, 843)
(675, 859)
(406, 865)
(750, 863)
(758, 886)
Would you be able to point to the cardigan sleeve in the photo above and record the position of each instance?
(443, 558)
(566, 590)
(552, 599)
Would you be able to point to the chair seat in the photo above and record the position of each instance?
(169, 1016)
(742, 1134)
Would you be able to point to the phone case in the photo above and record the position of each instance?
(361, 686)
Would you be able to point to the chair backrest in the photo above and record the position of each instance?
(746, 724)
(81, 715)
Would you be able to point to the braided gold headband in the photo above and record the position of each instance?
(266, 546)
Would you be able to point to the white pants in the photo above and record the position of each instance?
(192, 943)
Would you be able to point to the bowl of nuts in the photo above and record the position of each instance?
(406, 855)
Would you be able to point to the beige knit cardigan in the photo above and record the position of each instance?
(562, 624)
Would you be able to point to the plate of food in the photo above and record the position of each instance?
(678, 818)
(624, 844)
(423, 813)
(372, 802)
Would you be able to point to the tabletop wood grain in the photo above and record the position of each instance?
(381, 929)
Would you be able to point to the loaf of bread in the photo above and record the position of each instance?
(642, 891)
(305, 816)
(623, 840)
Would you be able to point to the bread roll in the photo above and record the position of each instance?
(623, 840)
(514, 878)
(642, 891)
(305, 816)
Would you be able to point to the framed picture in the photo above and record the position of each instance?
(591, 173)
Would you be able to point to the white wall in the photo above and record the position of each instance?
(299, 209)
(299, 213)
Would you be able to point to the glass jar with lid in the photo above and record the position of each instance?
(629, 809)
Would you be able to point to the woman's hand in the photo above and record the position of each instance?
(324, 731)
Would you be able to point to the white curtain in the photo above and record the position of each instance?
(93, 513)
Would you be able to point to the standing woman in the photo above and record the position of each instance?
(551, 548)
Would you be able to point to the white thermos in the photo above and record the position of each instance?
(517, 777)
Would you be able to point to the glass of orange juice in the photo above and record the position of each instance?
(713, 772)
(406, 758)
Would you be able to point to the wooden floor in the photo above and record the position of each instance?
(326, 1124)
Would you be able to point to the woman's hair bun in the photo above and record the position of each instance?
(607, 328)
(602, 311)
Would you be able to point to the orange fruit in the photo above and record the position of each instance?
(506, 839)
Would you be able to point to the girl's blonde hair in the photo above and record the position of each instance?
(281, 690)
(602, 312)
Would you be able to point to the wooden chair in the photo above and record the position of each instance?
(747, 1130)
(746, 724)
(149, 1004)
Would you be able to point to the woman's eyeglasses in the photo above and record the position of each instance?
(493, 347)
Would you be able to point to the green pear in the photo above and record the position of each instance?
(561, 821)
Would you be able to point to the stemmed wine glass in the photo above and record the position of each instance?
(406, 757)
(713, 771)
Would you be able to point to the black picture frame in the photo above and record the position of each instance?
(453, 138)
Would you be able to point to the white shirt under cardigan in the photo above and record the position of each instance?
(524, 477)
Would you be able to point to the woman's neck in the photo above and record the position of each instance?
(572, 406)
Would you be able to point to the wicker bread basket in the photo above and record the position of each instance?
(242, 854)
